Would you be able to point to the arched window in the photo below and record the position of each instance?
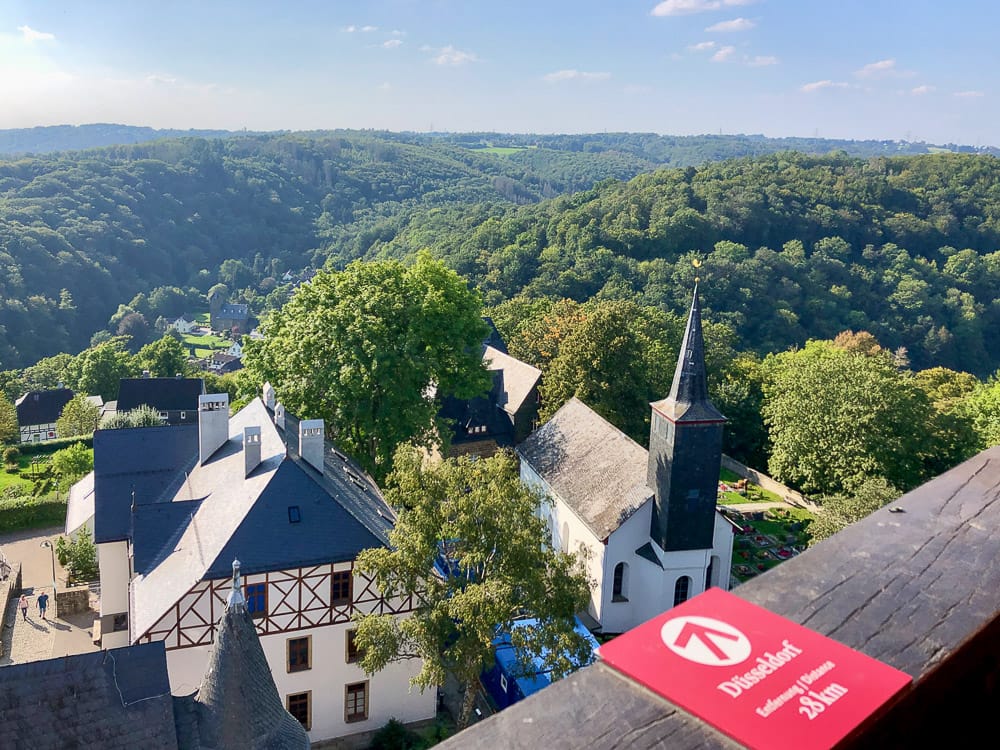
(619, 589)
(565, 537)
(682, 589)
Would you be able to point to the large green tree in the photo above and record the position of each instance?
(477, 519)
(72, 463)
(372, 349)
(164, 358)
(101, 368)
(79, 417)
(836, 418)
(8, 420)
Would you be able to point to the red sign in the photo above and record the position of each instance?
(765, 681)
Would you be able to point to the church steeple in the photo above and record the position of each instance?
(685, 449)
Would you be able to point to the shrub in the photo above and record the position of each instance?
(80, 557)
(395, 736)
(19, 511)
(10, 455)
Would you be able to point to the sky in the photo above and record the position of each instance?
(917, 70)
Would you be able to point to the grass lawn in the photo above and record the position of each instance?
(732, 498)
(204, 345)
(502, 150)
(14, 480)
(729, 477)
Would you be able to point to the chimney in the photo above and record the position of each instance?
(145, 373)
(178, 375)
(269, 398)
(279, 416)
(251, 449)
(213, 424)
(311, 442)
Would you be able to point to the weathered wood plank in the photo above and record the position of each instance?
(919, 590)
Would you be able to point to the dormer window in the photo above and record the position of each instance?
(294, 515)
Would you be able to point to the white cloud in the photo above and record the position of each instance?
(701, 46)
(689, 7)
(30, 35)
(451, 56)
(397, 32)
(392, 43)
(761, 61)
(363, 29)
(571, 75)
(920, 90)
(969, 94)
(883, 69)
(369, 29)
(737, 24)
(819, 85)
(723, 53)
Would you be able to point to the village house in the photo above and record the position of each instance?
(175, 399)
(175, 505)
(184, 324)
(37, 412)
(647, 521)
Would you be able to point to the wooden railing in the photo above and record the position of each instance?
(915, 585)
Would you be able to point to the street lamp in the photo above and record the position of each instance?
(52, 555)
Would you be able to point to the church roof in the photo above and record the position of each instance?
(688, 399)
(238, 705)
(595, 468)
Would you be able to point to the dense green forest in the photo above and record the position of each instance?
(793, 246)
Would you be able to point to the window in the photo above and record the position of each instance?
(299, 654)
(294, 514)
(682, 590)
(183, 415)
(619, 589)
(565, 537)
(356, 702)
(353, 652)
(340, 588)
(120, 623)
(256, 596)
(300, 706)
(164, 416)
(503, 682)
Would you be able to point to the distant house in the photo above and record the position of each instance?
(184, 324)
(501, 418)
(235, 350)
(37, 412)
(647, 519)
(224, 316)
(508, 681)
(176, 399)
(221, 362)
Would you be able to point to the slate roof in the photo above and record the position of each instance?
(80, 505)
(42, 407)
(234, 311)
(595, 468)
(112, 699)
(139, 464)
(517, 379)
(163, 394)
(228, 515)
(238, 705)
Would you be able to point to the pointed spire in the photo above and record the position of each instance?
(688, 399)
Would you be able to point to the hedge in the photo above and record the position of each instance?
(31, 512)
(51, 446)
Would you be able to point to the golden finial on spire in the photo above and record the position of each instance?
(697, 264)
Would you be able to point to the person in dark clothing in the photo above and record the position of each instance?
(43, 603)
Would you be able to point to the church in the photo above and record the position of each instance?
(646, 522)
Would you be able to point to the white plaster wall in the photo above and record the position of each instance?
(722, 547)
(622, 544)
(112, 559)
(579, 539)
(389, 692)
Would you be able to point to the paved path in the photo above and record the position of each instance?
(36, 639)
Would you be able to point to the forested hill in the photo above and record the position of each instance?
(49, 138)
(792, 247)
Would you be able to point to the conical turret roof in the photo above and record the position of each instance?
(688, 400)
(239, 705)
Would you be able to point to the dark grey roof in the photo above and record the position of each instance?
(646, 551)
(238, 703)
(688, 400)
(342, 512)
(110, 699)
(146, 461)
(595, 468)
(233, 311)
(42, 407)
(163, 394)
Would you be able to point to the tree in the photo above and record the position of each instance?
(102, 367)
(79, 417)
(372, 349)
(8, 420)
(164, 358)
(140, 416)
(73, 463)
(840, 511)
(983, 408)
(135, 327)
(835, 418)
(482, 523)
(79, 557)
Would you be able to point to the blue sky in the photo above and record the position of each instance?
(916, 70)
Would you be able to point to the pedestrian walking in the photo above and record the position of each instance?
(43, 602)
(23, 604)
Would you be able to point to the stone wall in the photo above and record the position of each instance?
(764, 481)
(73, 601)
(9, 588)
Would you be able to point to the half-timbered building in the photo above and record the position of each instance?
(173, 508)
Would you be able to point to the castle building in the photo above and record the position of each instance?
(646, 521)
